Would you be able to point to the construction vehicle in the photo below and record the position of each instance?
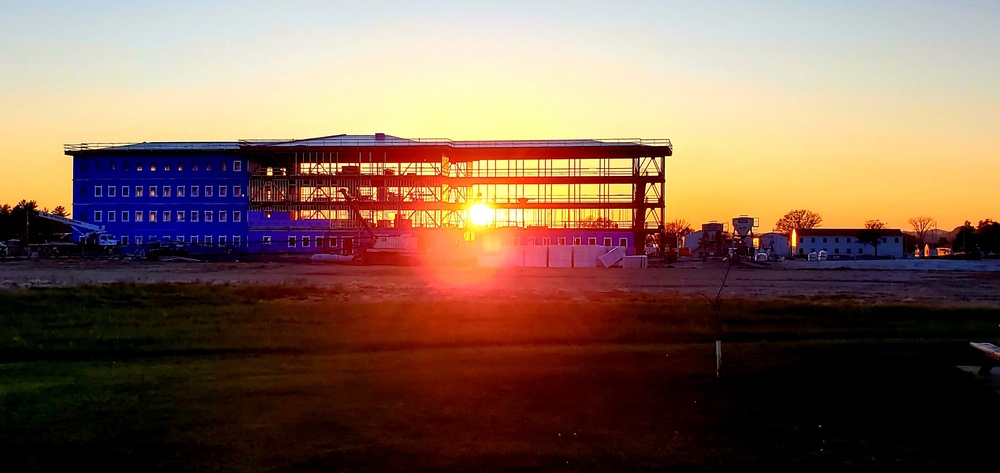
(381, 249)
(91, 236)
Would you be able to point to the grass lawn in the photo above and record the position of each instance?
(278, 378)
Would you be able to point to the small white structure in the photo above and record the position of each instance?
(844, 243)
(775, 244)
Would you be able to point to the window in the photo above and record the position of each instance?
(180, 191)
(208, 191)
(111, 215)
(885, 240)
(531, 240)
(138, 240)
(836, 250)
(112, 190)
(861, 251)
(305, 242)
(237, 216)
(166, 191)
(194, 238)
(125, 191)
(267, 239)
(124, 215)
(237, 240)
(208, 167)
(223, 191)
(222, 239)
(623, 242)
(848, 251)
(98, 190)
(223, 215)
(547, 241)
(896, 240)
(166, 167)
(319, 241)
(848, 239)
(209, 215)
(138, 167)
(114, 166)
(152, 167)
(152, 216)
(592, 241)
(802, 239)
(332, 242)
(577, 240)
(208, 239)
(180, 216)
(222, 166)
(138, 216)
(237, 190)
(195, 190)
(166, 215)
(291, 242)
(237, 166)
(126, 166)
(562, 240)
(194, 215)
(836, 240)
(194, 167)
(180, 167)
(824, 240)
(812, 240)
(152, 191)
(98, 216)
(124, 238)
(180, 238)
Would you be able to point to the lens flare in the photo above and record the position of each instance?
(481, 215)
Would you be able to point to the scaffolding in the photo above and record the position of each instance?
(432, 183)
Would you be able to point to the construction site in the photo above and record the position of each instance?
(381, 199)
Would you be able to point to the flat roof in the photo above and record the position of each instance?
(361, 141)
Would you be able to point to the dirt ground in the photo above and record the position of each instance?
(902, 281)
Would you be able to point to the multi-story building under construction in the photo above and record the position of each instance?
(316, 195)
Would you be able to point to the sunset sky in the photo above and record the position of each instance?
(853, 109)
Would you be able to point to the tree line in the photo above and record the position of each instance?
(19, 222)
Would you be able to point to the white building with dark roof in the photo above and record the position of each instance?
(845, 242)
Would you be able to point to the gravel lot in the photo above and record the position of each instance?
(906, 281)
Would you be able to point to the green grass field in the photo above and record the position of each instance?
(279, 378)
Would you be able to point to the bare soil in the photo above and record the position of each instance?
(880, 282)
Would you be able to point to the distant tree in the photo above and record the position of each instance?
(60, 211)
(675, 230)
(872, 234)
(989, 236)
(797, 220)
(966, 239)
(920, 226)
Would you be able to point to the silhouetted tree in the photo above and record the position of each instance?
(872, 234)
(599, 222)
(920, 226)
(60, 211)
(989, 236)
(966, 239)
(797, 220)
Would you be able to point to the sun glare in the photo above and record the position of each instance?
(480, 214)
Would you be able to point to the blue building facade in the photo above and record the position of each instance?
(191, 193)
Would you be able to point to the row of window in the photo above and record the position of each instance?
(207, 239)
(848, 240)
(836, 251)
(153, 216)
(307, 241)
(591, 241)
(167, 191)
(165, 167)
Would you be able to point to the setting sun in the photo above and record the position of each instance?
(480, 215)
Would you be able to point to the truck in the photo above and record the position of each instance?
(90, 236)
